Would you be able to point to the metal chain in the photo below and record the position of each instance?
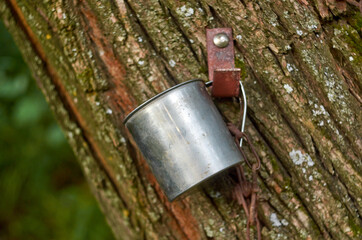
(245, 192)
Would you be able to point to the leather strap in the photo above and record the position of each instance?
(221, 64)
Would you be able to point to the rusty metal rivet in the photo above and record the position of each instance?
(221, 40)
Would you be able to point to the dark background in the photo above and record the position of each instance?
(43, 193)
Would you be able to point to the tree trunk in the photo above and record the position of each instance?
(95, 61)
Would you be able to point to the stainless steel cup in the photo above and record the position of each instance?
(183, 137)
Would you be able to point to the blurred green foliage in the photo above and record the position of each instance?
(43, 194)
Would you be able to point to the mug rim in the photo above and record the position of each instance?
(157, 96)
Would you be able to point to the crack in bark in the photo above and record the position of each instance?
(322, 229)
(211, 200)
(149, 40)
(183, 34)
(133, 155)
(150, 44)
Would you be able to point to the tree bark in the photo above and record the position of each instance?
(95, 61)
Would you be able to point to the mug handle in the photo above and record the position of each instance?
(209, 84)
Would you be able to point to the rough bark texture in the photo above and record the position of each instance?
(95, 61)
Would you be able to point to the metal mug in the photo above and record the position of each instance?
(183, 137)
